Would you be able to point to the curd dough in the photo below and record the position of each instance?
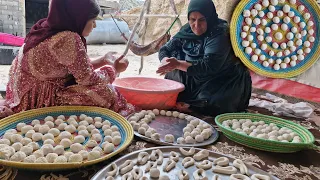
(262, 57)
(293, 63)
(271, 8)
(169, 165)
(274, 27)
(258, 7)
(291, 14)
(283, 46)
(268, 39)
(270, 61)
(280, 13)
(307, 50)
(256, 21)
(302, 25)
(284, 27)
(286, 20)
(270, 15)
(154, 173)
(248, 21)
(276, 19)
(286, 8)
(200, 174)
(276, 67)
(296, 19)
(307, 16)
(261, 14)
(254, 12)
(310, 23)
(245, 28)
(246, 13)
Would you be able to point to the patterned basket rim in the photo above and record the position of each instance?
(266, 149)
(240, 53)
(228, 132)
(58, 166)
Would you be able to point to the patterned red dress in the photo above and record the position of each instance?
(38, 78)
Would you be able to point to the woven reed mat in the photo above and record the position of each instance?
(301, 165)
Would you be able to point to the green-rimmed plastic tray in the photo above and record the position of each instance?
(264, 144)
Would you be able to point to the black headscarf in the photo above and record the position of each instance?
(208, 10)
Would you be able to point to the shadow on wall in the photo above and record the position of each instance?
(1, 26)
(34, 12)
(7, 53)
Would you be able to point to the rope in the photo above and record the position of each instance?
(168, 31)
(122, 34)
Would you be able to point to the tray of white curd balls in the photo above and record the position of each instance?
(180, 163)
(62, 137)
(165, 127)
(265, 133)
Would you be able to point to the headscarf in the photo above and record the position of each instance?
(208, 10)
(64, 15)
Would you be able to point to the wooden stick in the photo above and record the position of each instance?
(173, 6)
(135, 28)
(146, 16)
(146, 21)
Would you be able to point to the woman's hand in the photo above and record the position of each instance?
(168, 64)
(121, 64)
(107, 59)
(110, 57)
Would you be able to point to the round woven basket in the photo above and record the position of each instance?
(236, 28)
(11, 122)
(263, 144)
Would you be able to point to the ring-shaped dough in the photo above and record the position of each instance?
(143, 158)
(201, 155)
(260, 177)
(187, 162)
(241, 166)
(156, 155)
(200, 174)
(136, 173)
(187, 153)
(183, 175)
(221, 161)
(126, 167)
(239, 177)
(225, 170)
(169, 165)
(150, 165)
(174, 156)
(114, 171)
(206, 164)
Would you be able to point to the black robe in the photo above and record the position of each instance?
(217, 82)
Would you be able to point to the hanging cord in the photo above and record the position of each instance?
(122, 34)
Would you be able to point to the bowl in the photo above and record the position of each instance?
(148, 92)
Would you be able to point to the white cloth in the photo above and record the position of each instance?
(281, 106)
(310, 77)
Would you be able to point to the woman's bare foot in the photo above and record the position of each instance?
(183, 107)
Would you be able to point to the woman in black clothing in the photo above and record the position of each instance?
(201, 57)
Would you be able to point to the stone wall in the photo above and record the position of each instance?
(158, 26)
(34, 12)
(12, 17)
